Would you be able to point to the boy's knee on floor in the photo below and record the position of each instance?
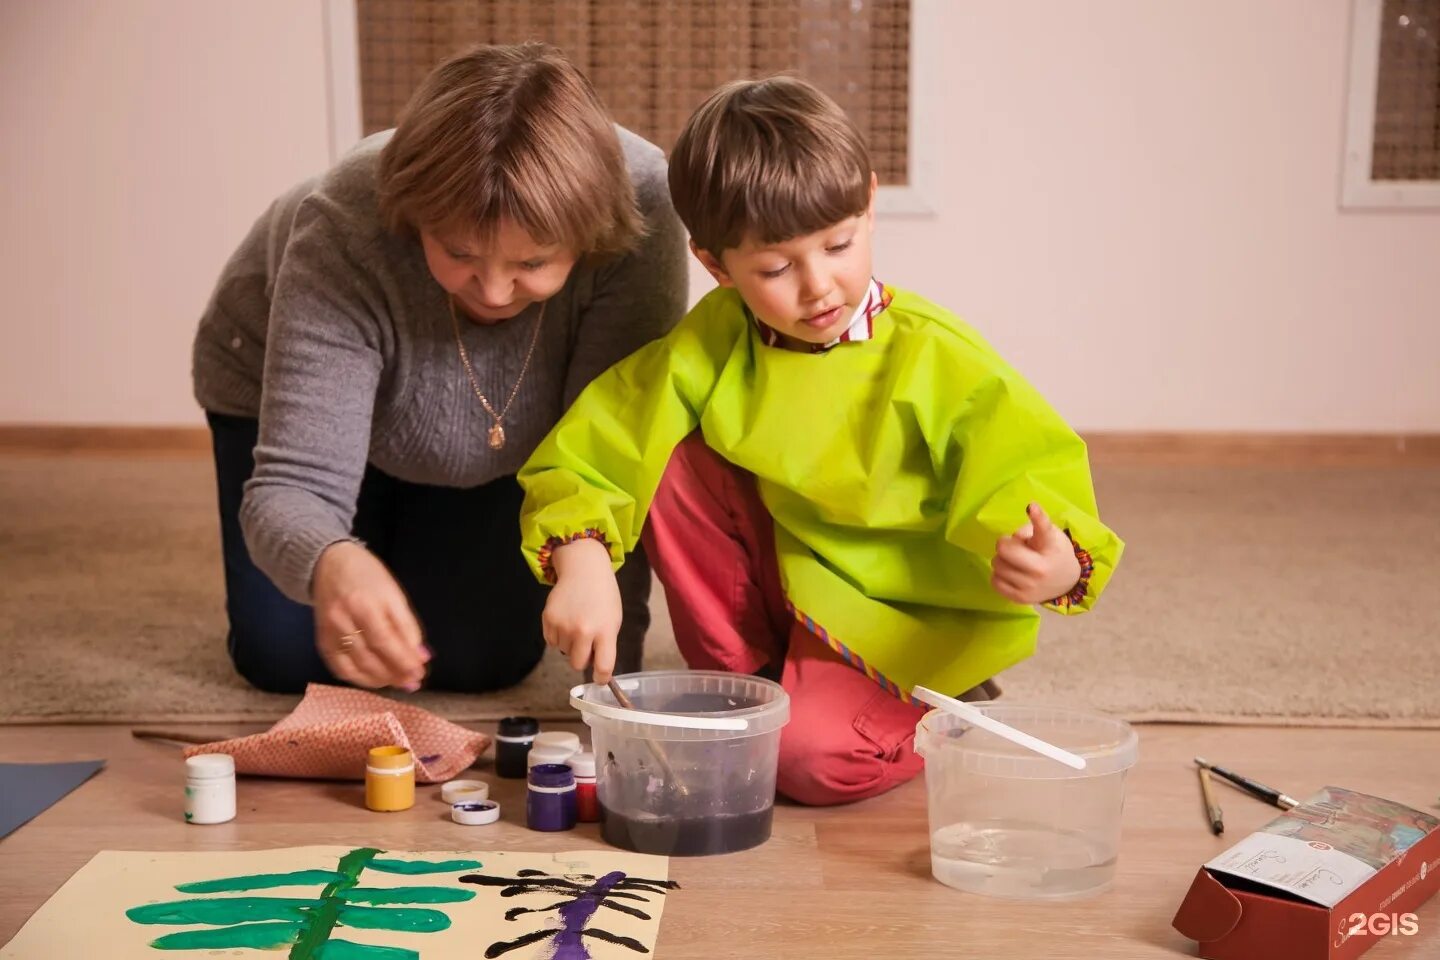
(842, 767)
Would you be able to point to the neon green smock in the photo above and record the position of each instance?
(891, 467)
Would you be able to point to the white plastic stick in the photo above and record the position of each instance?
(968, 713)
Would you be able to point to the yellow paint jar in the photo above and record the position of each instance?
(389, 779)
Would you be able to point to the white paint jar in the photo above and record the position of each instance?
(210, 788)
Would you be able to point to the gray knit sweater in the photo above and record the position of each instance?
(352, 339)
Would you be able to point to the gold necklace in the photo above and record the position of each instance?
(497, 432)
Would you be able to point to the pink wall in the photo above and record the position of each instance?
(142, 138)
(1138, 203)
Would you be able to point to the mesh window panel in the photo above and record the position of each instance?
(654, 62)
(1407, 102)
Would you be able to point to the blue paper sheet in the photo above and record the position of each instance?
(29, 789)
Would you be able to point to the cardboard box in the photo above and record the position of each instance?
(1326, 880)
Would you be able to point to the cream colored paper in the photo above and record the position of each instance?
(87, 917)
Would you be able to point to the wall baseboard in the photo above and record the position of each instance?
(1265, 449)
(1150, 448)
(53, 440)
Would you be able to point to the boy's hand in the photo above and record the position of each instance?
(1035, 564)
(582, 615)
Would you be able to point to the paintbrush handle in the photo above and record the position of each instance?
(179, 736)
(1212, 809)
(660, 758)
(1255, 788)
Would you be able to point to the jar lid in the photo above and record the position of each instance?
(389, 758)
(552, 775)
(559, 738)
(210, 766)
(474, 813)
(583, 764)
(454, 791)
(548, 753)
(519, 727)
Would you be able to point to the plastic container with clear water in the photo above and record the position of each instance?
(1007, 822)
(691, 769)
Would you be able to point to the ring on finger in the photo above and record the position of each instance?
(350, 639)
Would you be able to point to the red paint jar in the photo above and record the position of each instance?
(586, 801)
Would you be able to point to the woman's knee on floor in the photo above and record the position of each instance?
(277, 653)
(477, 658)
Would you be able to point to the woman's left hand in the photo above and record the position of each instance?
(1036, 563)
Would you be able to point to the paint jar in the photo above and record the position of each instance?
(1008, 822)
(559, 739)
(389, 779)
(512, 743)
(550, 798)
(548, 753)
(587, 805)
(210, 788)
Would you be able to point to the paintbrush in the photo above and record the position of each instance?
(177, 736)
(1212, 809)
(1255, 788)
(665, 768)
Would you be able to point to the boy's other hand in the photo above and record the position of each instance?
(1036, 563)
(583, 613)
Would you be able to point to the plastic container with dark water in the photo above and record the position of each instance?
(691, 770)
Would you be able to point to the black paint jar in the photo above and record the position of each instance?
(512, 745)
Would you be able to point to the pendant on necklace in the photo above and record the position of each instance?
(497, 437)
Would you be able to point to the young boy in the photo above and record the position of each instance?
(872, 500)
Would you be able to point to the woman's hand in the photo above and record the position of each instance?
(364, 628)
(583, 613)
(1035, 564)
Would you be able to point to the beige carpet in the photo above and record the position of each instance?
(1247, 595)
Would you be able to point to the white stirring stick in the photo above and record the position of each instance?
(963, 710)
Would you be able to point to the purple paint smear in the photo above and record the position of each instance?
(568, 942)
(577, 913)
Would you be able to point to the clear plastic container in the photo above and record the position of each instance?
(691, 770)
(1007, 822)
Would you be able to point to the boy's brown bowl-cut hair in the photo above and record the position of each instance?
(773, 158)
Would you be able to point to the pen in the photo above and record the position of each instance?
(1212, 809)
(1253, 787)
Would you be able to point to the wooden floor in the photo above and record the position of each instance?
(831, 884)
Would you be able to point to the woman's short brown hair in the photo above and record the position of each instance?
(510, 132)
(774, 158)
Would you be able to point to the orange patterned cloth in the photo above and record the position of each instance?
(331, 730)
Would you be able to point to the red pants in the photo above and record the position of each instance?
(712, 544)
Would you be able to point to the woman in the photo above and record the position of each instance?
(386, 348)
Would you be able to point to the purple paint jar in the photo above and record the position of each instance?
(550, 798)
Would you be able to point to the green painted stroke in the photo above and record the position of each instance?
(261, 881)
(221, 911)
(307, 923)
(411, 868)
(255, 936)
(407, 895)
(345, 950)
(394, 918)
(323, 919)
